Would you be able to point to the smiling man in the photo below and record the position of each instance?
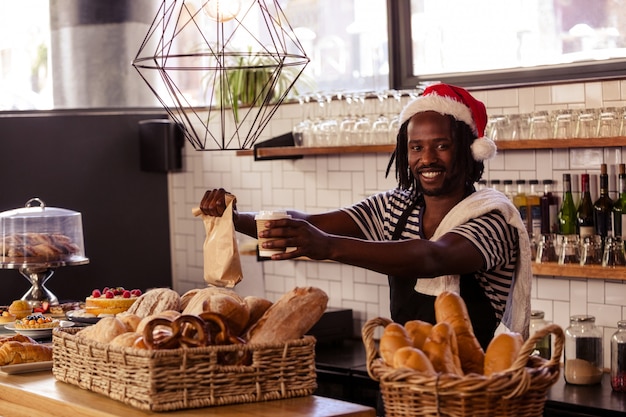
(432, 233)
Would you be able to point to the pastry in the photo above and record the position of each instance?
(6, 316)
(14, 352)
(36, 321)
(110, 301)
(21, 308)
(104, 330)
(42, 246)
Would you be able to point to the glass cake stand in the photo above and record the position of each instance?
(38, 274)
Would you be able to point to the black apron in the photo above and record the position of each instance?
(407, 304)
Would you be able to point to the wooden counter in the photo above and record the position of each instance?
(38, 394)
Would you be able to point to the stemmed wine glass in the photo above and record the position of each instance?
(302, 135)
(380, 127)
(363, 125)
(346, 125)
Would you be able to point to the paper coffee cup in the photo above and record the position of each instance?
(261, 218)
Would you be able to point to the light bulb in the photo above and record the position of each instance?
(222, 10)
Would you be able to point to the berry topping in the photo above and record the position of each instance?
(96, 294)
(135, 292)
(109, 294)
(126, 294)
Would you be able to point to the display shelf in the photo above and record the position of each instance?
(502, 145)
(577, 271)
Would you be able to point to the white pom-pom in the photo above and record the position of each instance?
(483, 149)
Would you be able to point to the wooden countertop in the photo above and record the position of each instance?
(39, 394)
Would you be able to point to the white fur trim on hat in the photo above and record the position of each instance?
(441, 105)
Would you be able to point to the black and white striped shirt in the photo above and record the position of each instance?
(496, 240)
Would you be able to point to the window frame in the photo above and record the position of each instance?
(401, 63)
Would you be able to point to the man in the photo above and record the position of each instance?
(433, 232)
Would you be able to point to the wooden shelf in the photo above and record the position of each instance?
(577, 271)
(502, 145)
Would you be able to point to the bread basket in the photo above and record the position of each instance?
(518, 392)
(174, 379)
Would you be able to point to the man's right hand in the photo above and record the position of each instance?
(214, 202)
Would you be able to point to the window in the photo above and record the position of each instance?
(71, 62)
(506, 42)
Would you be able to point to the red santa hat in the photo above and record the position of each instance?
(458, 103)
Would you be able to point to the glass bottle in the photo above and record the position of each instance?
(508, 189)
(567, 213)
(603, 206)
(543, 347)
(549, 204)
(533, 207)
(495, 184)
(583, 351)
(619, 206)
(584, 213)
(618, 358)
(519, 200)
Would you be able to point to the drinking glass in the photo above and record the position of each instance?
(302, 130)
(346, 124)
(546, 250)
(569, 252)
(394, 123)
(613, 252)
(380, 127)
(591, 251)
(563, 126)
(608, 123)
(540, 125)
(363, 125)
(586, 124)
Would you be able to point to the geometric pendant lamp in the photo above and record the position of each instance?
(220, 68)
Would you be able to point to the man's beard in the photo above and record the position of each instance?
(448, 186)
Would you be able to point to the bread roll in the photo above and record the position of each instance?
(393, 338)
(257, 306)
(131, 321)
(438, 348)
(186, 298)
(413, 358)
(450, 308)
(104, 330)
(290, 317)
(226, 303)
(418, 331)
(155, 301)
(127, 339)
(502, 352)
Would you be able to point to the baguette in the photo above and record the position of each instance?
(290, 317)
(502, 352)
(393, 338)
(418, 331)
(450, 308)
(438, 348)
(413, 358)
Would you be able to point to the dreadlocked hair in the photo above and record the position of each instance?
(463, 137)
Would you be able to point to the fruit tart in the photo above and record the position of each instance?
(36, 321)
(6, 316)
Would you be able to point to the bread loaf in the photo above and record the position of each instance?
(131, 321)
(450, 308)
(104, 330)
(438, 348)
(223, 301)
(502, 352)
(154, 301)
(257, 306)
(127, 339)
(418, 331)
(290, 317)
(413, 358)
(13, 353)
(393, 338)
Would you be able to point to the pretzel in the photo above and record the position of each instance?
(185, 331)
(219, 334)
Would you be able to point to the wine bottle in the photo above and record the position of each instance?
(603, 206)
(519, 201)
(533, 208)
(549, 204)
(567, 213)
(584, 213)
(619, 207)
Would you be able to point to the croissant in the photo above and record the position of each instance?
(12, 353)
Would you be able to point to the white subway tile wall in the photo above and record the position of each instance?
(319, 183)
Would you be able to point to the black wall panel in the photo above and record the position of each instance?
(89, 162)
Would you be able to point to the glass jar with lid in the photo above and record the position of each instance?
(543, 347)
(583, 351)
(618, 358)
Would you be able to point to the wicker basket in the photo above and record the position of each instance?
(519, 392)
(173, 379)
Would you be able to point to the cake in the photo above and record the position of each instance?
(6, 316)
(20, 308)
(110, 301)
(36, 321)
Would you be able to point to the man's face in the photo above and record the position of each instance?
(431, 153)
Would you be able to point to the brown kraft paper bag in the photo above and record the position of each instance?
(222, 265)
